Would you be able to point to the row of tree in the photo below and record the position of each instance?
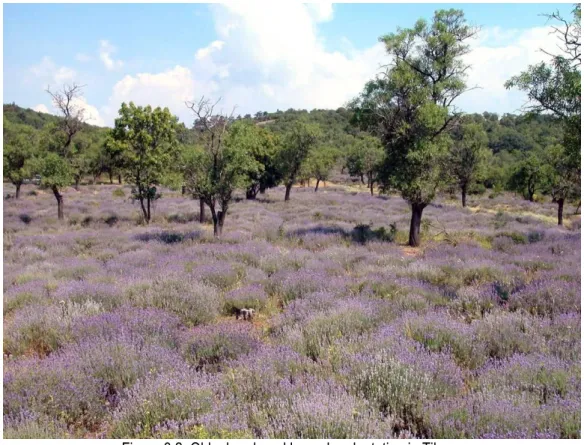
(402, 133)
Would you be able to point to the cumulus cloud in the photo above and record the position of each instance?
(166, 89)
(41, 108)
(496, 56)
(106, 49)
(271, 56)
(48, 72)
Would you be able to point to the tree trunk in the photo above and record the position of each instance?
(560, 211)
(417, 210)
(220, 222)
(317, 182)
(18, 190)
(370, 179)
(308, 182)
(111, 177)
(77, 180)
(217, 221)
(119, 179)
(59, 199)
(144, 211)
(463, 189)
(251, 192)
(148, 202)
(201, 211)
(262, 189)
(288, 188)
(362, 180)
(530, 192)
(578, 208)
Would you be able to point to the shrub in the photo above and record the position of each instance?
(25, 218)
(181, 396)
(505, 334)
(35, 329)
(119, 193)
(250, 296)
(31, 425)
(193, 302)
(207, 347)
(395, 389)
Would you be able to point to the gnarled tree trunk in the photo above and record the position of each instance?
(561, 212)
(17, 195)
(317, 183)
(416, 220)
(201, 211)
(60, 204)
(288, 188)
(463, 190)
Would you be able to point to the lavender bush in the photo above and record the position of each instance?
(113, 329)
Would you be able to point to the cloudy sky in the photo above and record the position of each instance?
(257, 57)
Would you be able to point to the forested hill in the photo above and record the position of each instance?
(514, 140)
(506, 133)
(36, 119)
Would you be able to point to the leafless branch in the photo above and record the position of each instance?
(73, 113)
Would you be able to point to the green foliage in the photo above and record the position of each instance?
(298, 142)
(20, 145)
(262, 146)
(55, 171)
(528, 176)
(147, 139)
(556, 86)
(321, 161)
(365, 158)
(417, 93)
(468, 155)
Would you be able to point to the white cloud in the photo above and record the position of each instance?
(271, 56)
(48, 72)
(496, 56)
(90, 113)
(82, 57)
(41, 108)
(106, 49)
(321, 12)
(166, 89)
(213, 46)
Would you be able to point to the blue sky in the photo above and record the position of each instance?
(258, 58)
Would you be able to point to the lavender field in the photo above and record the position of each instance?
(114, 329)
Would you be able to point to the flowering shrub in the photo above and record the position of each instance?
(113, 329)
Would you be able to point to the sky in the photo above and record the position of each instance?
(256, 57)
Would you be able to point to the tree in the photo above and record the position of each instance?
(147, 138)
(468, 156)
(410, 106)
(529, 175)
(56, 173)
(20, 145)
(214, 170)
(320, 162)
(298, 141)
(563, 183)
(55, 167)
(263, 146)
(556, 86)
(365, 159)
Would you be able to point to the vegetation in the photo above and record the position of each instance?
(148, 141)
(112, 328)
